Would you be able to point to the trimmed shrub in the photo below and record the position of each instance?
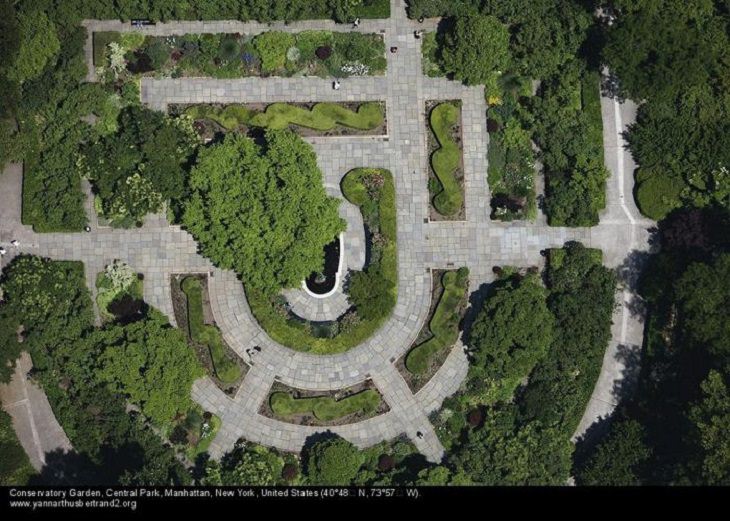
(658, 193)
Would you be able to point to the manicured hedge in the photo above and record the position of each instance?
(658, 193)
(447, 159)
(226, 370)
(379, 213)
(325, 408)
(444, 324)
(322, 117)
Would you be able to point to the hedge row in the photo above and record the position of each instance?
(325, 408)
(322, 117)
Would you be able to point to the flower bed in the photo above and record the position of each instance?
(272, 53)
(511, 172)
(446, 183)
(373, 292)
(307, 119)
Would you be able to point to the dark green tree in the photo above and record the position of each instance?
(262, 211)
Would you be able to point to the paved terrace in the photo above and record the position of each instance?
(159, 250)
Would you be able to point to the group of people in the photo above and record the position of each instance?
(15, 243)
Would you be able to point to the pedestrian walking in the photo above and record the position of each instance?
(3, 251)
(419, 435)
(336, 84)
(257, 349)
(15, 243)
(356, 23)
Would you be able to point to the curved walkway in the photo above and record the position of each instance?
(158, 250)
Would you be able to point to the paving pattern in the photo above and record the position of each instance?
(159, 250)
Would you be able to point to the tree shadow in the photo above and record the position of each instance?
(629, 274)
(586, 443)
(476, 302)
(630, 357)
(66, 468)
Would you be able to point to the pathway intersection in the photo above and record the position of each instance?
(159, 250)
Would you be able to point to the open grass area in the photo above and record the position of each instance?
(446, 160)
(321, 117)
(444, 324)
(325, 408)
(377, 203)
(226, 369)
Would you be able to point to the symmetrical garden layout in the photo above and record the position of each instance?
(160, 251)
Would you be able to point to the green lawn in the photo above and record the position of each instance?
(446, 160)
(226, 369)
(444, 324)
(322, 117)
(381, 214)
(324, 408)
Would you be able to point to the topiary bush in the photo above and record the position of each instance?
(658, 194)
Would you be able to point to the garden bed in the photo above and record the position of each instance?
(328, 408)
(306, 119)
(194, 316)
(218, 55)
(446, 172)
(511, 157)
(449, 291)
(120, 294)
(375, 288)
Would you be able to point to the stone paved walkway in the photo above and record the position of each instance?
(159, 250)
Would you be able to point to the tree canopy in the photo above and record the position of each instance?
(475, 48)
(262, 210)
(334, 461)
(510, 334)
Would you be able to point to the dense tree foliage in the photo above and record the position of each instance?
(334, 461)
(262, 211)
(89, 374)
(250, 464)
(544, 34)
(475, 48)
(681, 402)
(139, 166)
(525, 437)
(617, 459)
(510, 334)
(582, 301)
(673, 55)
